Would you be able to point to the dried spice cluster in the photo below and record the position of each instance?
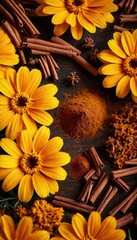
(122, 144)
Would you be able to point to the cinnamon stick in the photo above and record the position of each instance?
(60, 41)
(128, 204)
(7, 15)
(45, 75)
(72, 204)
(85, 194)
(39, 52)
(124, 172)
(8, 29)
(125, 220)
(89, 174)
(47, 43)
(52, 67)
(46, 66)
(121, 204)
(99, 187)
(107, 198)
(77, 58)
(121, 184)
(50, 49)
(120, 29)
(15, 9)
(131, 162)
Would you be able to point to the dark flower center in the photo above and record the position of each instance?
(130, 65)
(20, 103)
(30, 163)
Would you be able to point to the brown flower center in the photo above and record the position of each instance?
(130, 65)
(75, 6)
(20, 103)
(30, 163)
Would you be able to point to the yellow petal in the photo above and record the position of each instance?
(41, 117)
(35, 77)
(61, 29)
(66, 230)
(71, 19)
(40, 235)
(24, 228)
(40, 185)
(26, 141)
(9, 60)
(134, 98)
(41, 138)
(7, 161)
(109, 57)
(116, 48)
(10, 147)
(49, 10)
(12, 180)
(128, 42)
(60, 17)
(111, 69)
(135, 38)
(45, 103)
(133, 85)
(7, 50)
(22, 79)
(25, 189)
(53, 145)
(117, 234)
(96, 18)
(14, 127)
(112, 81)
(108, 17)
(107, 226)
(56, 3)
(77, 31)
(40, 10)
(57, 173)
(4, 172)
(29, 123)
(94, 224)
(11, 76)
(5, 118)
(90, 27)
(8, 226)
(117, 37)
(123, 87)
(53, 185)
(79, 225)
(6, 88)
(56, 159)
(45, 90)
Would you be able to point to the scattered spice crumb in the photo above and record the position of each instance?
(79, 167)
(88, 42)
(73, 78)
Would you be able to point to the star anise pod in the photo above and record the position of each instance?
(93, 55)
(73, 78)
(88, 42)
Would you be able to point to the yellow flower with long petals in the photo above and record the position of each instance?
(8, 58)
(77, 14)
(93, 229)
(22, 102)
(23, 231)
(35, 163)
(120, 64)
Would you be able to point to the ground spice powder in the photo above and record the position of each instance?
(83, 114)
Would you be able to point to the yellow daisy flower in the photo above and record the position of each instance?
(120, 64)
(8, 57)
(92, 229)
(34, 163)
(23, 231)
(77, 14)
(22, 102)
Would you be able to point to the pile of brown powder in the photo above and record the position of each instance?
(82, 115)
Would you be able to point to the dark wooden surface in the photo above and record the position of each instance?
(70, 188)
